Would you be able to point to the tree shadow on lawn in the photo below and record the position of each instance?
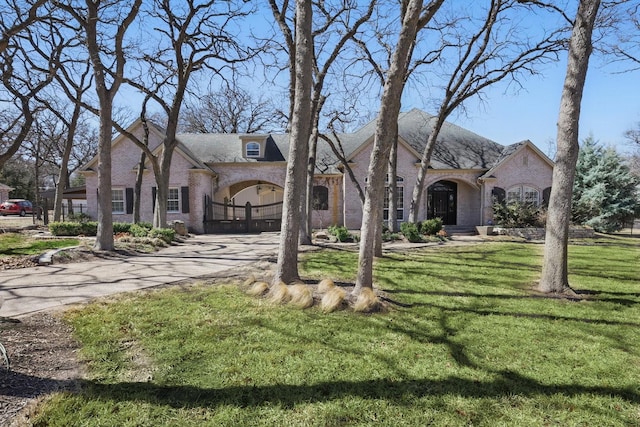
(489, 312)
(582, 295)
(399, 392)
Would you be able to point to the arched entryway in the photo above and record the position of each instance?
(442, 202)
(248, 206)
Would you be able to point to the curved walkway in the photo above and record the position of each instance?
(29, 290)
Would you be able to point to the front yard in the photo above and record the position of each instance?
(465, 341)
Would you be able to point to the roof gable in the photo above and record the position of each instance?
(154, 129)
(456, 147)
(510, 151)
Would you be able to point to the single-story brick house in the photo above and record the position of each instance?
(213, 176)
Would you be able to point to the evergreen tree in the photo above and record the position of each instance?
(605, 192)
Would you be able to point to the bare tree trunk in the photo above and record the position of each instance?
(386, 131)
(63, 178)
(554, 269)
(162, 191)
(287, 266)
(393, 188)
(104, 236)
(137, 190)
(307, 203)
(418, 190)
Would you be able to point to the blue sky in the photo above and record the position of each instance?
(610, 106)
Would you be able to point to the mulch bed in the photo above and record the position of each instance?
(43, 356)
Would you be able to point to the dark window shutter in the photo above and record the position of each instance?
(499, 195)
(184, 195)
(546, 194)
(153, 199)
(129, 200)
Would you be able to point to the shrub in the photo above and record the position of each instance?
(79, 217)
(136, 230)
(390, 237)
(121, 227)
(410, 231)
(341, 233)
(166, 234)
(89, 228)
(517, 215)
(431, 227)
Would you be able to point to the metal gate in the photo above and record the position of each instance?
(229, 218)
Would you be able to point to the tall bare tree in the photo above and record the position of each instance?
(555, 265)
(335, 23)
(230, 110)
(485, 57)
(74, 79)
(193, 35)
(22, 77)
(414, 16)
(287, 265)
(16, 16)
(104, 24)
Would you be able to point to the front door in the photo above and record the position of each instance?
(441, 202)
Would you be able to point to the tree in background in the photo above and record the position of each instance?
(230, 110)
(188, 37)
(605, 192)
(19, 174)
(22, 74)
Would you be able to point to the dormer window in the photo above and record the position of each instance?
(252, 150)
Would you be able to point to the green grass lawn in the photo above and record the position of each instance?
(465, 342)
(13, 244)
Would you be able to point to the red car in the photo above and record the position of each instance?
(16, 207)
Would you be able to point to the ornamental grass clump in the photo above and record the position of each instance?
(366, 302)
(333, 299)
(249, 281)
(301, 295)
(279, 293)
(258, 289)
(325, 285)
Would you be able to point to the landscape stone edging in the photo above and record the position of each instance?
(538, 233)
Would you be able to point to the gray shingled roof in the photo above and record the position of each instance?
(457, 148)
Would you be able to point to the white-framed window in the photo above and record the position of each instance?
(524, 194)
(530, 195)
(117, 201)
(252, 149)
(399, 199)
(173, 200)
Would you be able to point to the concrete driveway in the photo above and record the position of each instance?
(29, 290)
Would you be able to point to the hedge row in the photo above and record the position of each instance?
(90, 228)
